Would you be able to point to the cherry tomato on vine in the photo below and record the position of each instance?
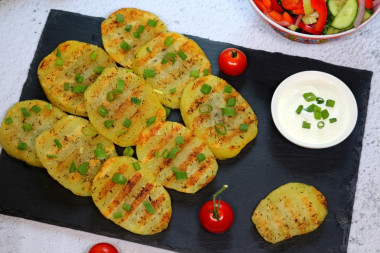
(103, 248)
(232, 61)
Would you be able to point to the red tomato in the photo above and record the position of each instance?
(210, 223)
(232, 61)
(103, 248)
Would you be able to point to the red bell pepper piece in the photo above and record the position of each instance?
(261, 6)
(299, 11)
(292, 4)
(321, 8)
(308, 28)
(368, 4)
(276, 6)
(268, 4)
(281, 19)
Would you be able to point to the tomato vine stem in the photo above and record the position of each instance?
(216, 209)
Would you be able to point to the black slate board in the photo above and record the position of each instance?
(266, 163)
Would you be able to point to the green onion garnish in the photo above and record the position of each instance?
(58, 54)
(179, 140)
(205, 108)
(93, 55)
(221, 128)
(136, 166)
(165, 154)
(86, 131)
(98, 70)
(228, 89)
(149, 73)
(310, 108)
(66, 86)
(52, 156)
(59, 62)
(111, 95)
(317, 115)
(206, 88)
(325, 114)
(320, 124)
(109, 123)
(27, 127)
(56, 141)
(333, 120)
(127, 122)
(169, 40)
(126, 207)
(148, 50)
(136, 100)
(317, 108)
(128, 28)
(72, 167)
(194, 73)
(119, 179)
(120, 86)
(117, 215)
(49, 107)
(299, 109)
(102, 111)
(25, 112)
(150, 121)
(167, 110)
(100, 154)
(78, 78)
(128, 151)
(330, 103)
(83, 168)
(309, 96)
(156, 154)
(231, 102)
(320, 100)
(182, 55)
(136, 35)
(205, 72)
(149, 208)
(173, 152)
(168, 57)
(124, 45)
(179, 174)
(119, 18)
(121, 132)
(140, 29)
(35, 109)
(8, 120)
(152, 23)
(78, 88)
(22, 146)
(172, 91)
(228, 111)
(244, 127)
(201, 157)
(99, 146)
(306, 125)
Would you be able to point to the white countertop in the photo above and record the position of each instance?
(21, 25)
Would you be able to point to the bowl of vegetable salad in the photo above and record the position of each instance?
(316, 21)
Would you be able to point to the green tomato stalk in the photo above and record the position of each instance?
(216, 208)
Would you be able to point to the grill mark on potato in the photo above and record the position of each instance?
(145, 191)
(153, 130)
(109, 184)
(145, 218)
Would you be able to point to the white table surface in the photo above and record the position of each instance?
(231, 21)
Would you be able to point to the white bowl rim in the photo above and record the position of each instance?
(330, 36)
(304, 75)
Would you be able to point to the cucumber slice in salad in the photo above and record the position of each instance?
(367, 14)
(346, 16)
(335, 6)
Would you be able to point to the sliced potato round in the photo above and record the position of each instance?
(120, 104)
(126, 30)
(67, 71)
(176, 61)
(73, 152)
(129, 195)
(219, 115)
(179, 160)
(22, 124)
(290, 210)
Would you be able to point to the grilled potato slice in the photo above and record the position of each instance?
(131, 196)
(72, 151)
(173, 64)
(81, 65)
(290, 210)
(202, 106)
(133, 26)
(18, 132)
(194, 157)
(128, 108)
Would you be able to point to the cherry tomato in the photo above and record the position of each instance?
(232, 62)
(212, 224)
(103, 248)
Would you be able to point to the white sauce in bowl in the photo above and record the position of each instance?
(289, 95)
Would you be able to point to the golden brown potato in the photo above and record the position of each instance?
(290, 210)
(67, 71)
(18, 133)
(129, 195)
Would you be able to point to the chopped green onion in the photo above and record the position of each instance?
(182, 55)
(58, 54)
(66, 86)
(228, 89)
(109, 123)
(22, 146)
(325, 114)
(149, 73)
(136, 166)
(127, 122)
(49, 107)
(126, 207)
(149, 208)
(119, 18)
(333, 120)
(228, 111)
(244, 127)
(320, 124)
(83, 168)
(124, 45)
(129, 70)
(317, 108)
(306, 125)
(128, 28)
(320, 100)
(172, 91)
(27, 127)
(179, 174)
(8, 120)
(100, 154)
(78, 78)
(299, 109)
(25, 112)
(221, 128)
(179, 140)
(59, 62)
(119, 179)
(168, 57)
(140, 29)
(167, 110)
(309, 96)
(169, 40)
(173, 152)
(165, 154)
(117, 215)
(136, 101)
(98, 70)
(99, 146)
(102, 111)
(156, 154)
(152, 23)
(330, 103)
(35, 109)
(86, 131)
(201, 157)
(205, 72)
(78, 88)
(206, 88)
(52, 156)
(136, 35)
(148, 50)
(120, 86)
(150, 121)
(56, 141)
(111, 95)
(310, 108)
(205, 108)
(194, 73)
(121, 132)
(128, 151)
(231, 102)
(317, 115)
(72, 167)
(94, 55)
